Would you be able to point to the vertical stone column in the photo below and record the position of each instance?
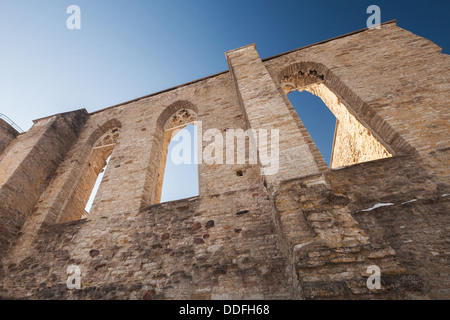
(265, 108)
(315, 221)
(27, 167)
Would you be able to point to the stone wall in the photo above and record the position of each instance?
(7, 134)
(405, 236)
(27, 167)
(304, 231)
(415, 225)
(177, 250)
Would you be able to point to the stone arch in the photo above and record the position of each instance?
(173, 109)
(171, 120)
(317, 79)
(85, 163)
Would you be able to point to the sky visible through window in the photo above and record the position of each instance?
(318, 120)
(129, 49)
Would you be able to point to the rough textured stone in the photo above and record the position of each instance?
(306, 231)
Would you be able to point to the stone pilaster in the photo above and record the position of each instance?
(265, 108)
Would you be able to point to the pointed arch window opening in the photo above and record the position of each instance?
(177, 168)
(84, 194)
(180, 179)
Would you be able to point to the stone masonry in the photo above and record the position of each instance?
(304, 232)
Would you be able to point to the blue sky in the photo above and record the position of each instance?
(128, 49)
(318, 120)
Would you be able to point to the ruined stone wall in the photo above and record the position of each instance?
(198, 248)
(415, 225)
(305, 231)
(238, 257)
(399, 209)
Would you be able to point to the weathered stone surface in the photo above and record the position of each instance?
(306, 231)
(28, 165)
